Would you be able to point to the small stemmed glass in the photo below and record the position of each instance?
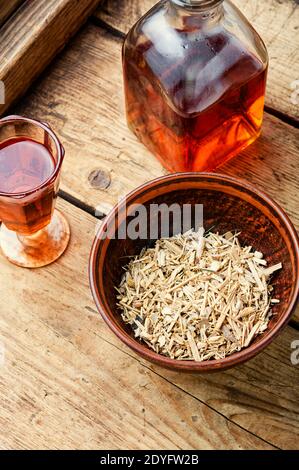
(33, 233)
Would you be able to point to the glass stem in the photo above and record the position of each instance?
(35, 240)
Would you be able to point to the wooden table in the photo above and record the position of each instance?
(66, 381)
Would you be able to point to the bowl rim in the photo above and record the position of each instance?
(193, 366)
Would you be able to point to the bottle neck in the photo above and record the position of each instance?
(197, 12)
(197, 5)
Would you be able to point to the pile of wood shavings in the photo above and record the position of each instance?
(197, 297)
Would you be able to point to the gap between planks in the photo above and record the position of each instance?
(80, 204)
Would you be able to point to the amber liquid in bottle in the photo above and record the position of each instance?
(200, 111)
(24, 166)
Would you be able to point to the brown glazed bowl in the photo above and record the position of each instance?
(228, 204)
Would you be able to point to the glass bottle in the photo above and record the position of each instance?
(195, 77)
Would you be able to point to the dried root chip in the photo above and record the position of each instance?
(197, 297)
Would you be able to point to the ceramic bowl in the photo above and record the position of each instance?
(228, 204)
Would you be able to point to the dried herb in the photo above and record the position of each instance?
(197, 296)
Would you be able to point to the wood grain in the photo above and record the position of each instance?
(276, 21)
(90, 121)
(32, 37)
(66, 381)
(7, 8)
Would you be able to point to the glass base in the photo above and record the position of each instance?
(39, 249)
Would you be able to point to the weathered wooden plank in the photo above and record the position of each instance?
(276, 21)
(7, 8)
(66, 382)
(32, 37)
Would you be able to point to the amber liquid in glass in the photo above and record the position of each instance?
(196, 113)
(24, 166)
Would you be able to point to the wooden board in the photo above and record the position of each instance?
(7, 8)
(276, 21)
(67, 381)
(32, 37)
